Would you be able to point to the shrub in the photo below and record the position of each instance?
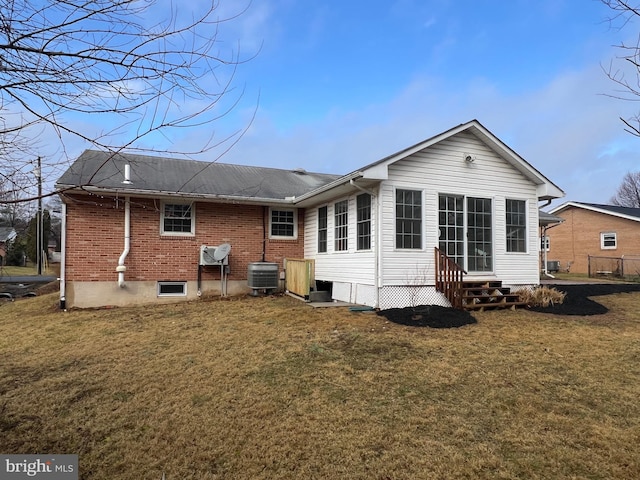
(541, 296)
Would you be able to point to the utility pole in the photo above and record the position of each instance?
(39, 246)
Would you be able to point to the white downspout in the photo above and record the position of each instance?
(121, 268)
(63, 258)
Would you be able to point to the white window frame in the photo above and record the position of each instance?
(172, 294)
(191, 233)
(422, 219)
(525, 226)
(603, 239)
(295, 223)
(360, 236)
(338, 240)
(325, 229)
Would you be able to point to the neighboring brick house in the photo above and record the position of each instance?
(134, 225)
(594, 230)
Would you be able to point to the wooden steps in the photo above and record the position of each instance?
(484, 295)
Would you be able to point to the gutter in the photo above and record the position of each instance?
(172, 195)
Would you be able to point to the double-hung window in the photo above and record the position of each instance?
(177, 219)
(516, 222)
(408, 219)
(341, 218)
(322, 229)
(283, 224)
(608, 241)
(363, 202)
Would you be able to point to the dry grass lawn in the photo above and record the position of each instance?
(269, 388)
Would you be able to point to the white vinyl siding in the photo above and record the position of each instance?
(442, 169)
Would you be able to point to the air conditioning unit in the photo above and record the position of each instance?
(262, 276)
(215, 255)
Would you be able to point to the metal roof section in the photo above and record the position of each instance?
(545, 219)
(150, 175)
(615, 210)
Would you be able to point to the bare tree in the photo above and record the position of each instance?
(152, 68)
(628, 193)
(625, 71)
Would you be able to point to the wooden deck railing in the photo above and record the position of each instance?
(449, 277)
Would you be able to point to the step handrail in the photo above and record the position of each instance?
(449, 278)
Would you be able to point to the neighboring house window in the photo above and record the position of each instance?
(363, 202)
(608, 241)
(545, 243)
(284, 224)
(341, 214)
(408, 219)
(516, 221)
(322, 229)
(177, 219)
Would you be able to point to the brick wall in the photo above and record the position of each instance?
(95, 240)
(579, 236)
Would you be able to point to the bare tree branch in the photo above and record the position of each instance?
(628, 193)
(63, 59)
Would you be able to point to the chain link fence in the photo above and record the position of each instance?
(627, 267)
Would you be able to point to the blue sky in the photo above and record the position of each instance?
(344, 83)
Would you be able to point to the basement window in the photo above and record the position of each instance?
(172, 289)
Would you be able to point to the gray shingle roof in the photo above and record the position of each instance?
(170, 175)
(631, 212)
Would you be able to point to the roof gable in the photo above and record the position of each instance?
(614, 210)
(546, 188)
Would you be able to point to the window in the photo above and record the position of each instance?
(283, 224)
(545, 243)
(177, 219)
(172, 289)
(608, 241)
(363, 203)
(479, 235)
(516, 221)
(322, 230)
(408, 219)
(341, 214)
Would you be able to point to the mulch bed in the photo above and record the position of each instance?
(576, 302)
(433, 316)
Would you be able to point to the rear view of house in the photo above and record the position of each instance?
(373, 235)
(595, 239)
